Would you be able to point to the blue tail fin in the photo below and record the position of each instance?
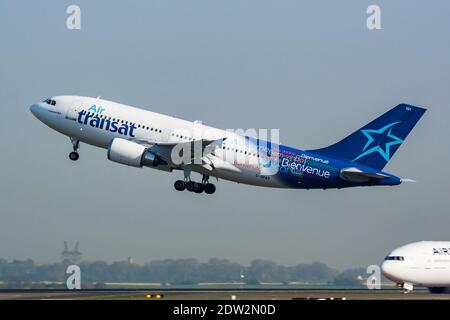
(374, 144)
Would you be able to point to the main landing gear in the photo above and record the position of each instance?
(196, 187)
(74, 154)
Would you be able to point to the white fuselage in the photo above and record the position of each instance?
(423, 264)
(139, 124)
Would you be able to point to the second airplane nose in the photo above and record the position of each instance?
(389, 270)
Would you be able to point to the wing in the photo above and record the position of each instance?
(201, 153)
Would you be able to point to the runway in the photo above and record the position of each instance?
(220, 295)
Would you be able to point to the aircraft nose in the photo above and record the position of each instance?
(34, 109)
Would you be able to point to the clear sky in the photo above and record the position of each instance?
(310, 68)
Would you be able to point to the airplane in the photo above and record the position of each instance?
(421, 264)
(141, 138)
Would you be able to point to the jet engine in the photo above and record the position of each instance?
(132, 154)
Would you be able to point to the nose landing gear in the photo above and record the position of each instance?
(74, 154)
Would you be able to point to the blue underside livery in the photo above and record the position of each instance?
(357, 160)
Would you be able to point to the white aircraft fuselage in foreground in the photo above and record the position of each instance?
(137, 137)
(421, 264)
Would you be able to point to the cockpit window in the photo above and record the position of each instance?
(50, 102)
(398, 258)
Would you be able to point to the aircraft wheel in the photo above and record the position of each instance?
(210, 188)
(190, 186)
(199, 188)
(74, 156)
(179, 185)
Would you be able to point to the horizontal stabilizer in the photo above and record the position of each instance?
(355, 175)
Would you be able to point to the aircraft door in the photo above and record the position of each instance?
(72, 112)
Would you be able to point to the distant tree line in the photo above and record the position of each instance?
(177, 272)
